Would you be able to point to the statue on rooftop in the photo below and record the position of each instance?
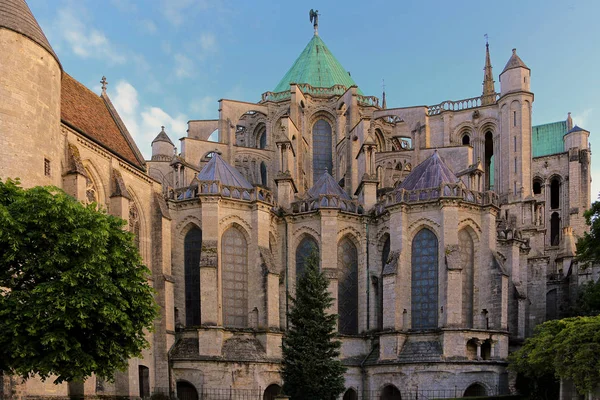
(314, 18)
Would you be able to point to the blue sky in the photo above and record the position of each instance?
(169, 61)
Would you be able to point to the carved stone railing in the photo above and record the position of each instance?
(368, 100)
(466, 104)
(335, 90)
(446, 190)
(327, 201)
(212, 188)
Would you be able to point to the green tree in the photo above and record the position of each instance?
(74, 297)
(311, 369)
(588, 245)
(566, 349)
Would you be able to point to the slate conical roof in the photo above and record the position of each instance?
(316, 66)
(162, 137)
(577, 129)
(218, 169)
(16, 16)
(326, 185)
(514, 62)
(431, 173)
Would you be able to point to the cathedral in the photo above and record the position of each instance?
(447, 232)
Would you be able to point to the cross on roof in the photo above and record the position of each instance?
(104, 83)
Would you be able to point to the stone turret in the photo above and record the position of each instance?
(162, 147)
(516, 76)
(32, 81)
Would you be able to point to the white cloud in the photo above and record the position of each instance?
(176, 11)
(84, 41)
(147, 26)
(204, 108)
(184, 67)
(144, 121)
(582, 118)
(208, 41)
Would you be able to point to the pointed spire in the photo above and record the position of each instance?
(383, 103)
(488, 77)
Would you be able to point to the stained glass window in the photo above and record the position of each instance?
(234, 259)
(466, 250)
(306, 246)
(348, 287)
(424, 283)
(192, 252)
(134, 223)
(322, 149)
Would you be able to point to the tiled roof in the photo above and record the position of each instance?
(218, 169)
(577, 129)
(16, 16)
(514, 62)
(431, 173)
(547, 139)
(162, 137)
(90, 114)
(316, 66)
(326, 185)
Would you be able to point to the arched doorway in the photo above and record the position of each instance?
(271, 391)
(350, 395)
(144, 381)
(390, 392)
(475, 390)
(186, 391)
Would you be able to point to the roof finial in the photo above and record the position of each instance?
(314, 18)
(486, 39)
(104, 83)
(162, 128)
(383, 103)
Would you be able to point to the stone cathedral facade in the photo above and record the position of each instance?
(447, 231)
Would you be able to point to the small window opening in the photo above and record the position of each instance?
(515, 143)
(537, 187)
(554, 229)
(514, 118)
(466, 140)
(47, 170)
(554, 194)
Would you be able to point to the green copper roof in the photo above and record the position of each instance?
(548, 138)
(316, 66)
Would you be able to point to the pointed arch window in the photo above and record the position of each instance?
(91, 192)
(385, 254)
(348, 287)
(192, 253)
(322, 149)
(304, 249)
(263, 174)
(466, 250)
(234, 259)
(261, 137)
(424, 280)
(134, 223)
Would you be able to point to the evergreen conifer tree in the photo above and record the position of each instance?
(310, 368)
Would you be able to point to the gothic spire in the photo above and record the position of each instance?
(488, 77)
(383, 104)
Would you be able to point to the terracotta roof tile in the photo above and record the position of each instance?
(87, 112)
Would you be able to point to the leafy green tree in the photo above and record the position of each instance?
(311, 369)
(588, 245)
(566, 349)
(74, 297)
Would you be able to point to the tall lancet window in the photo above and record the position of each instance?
(306, 246)
(348, 287)
(234, 261)
(466, 249)
(424, 281)
(134, 223)
(322, 149)
(385, 254)
(192, 252)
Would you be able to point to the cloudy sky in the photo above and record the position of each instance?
(170, 61)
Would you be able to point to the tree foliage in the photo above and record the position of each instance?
(74, 297)
(567, 348)
(588, 245)
(311, 369)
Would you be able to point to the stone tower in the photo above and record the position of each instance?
(30, 86)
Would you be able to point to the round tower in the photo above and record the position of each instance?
(162, 147)
(30, 88)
